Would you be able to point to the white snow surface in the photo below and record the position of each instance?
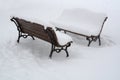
(63, 38)
(29, 59)
(81, 21)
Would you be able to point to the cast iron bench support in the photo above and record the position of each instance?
(20, 34)
(58, 49)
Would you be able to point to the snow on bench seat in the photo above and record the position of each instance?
(81, 21)
(63, 39)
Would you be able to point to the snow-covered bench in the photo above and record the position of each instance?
(82, 22)
(59, 41)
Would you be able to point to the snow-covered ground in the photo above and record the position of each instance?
(29, 59)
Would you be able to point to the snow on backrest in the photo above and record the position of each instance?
(82, 16)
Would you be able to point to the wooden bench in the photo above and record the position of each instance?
(82, 22)
(27, 28)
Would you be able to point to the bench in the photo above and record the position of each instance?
(26, 28)
(82, 22)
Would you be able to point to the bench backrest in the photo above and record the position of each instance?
(36, 30)
(53, 36)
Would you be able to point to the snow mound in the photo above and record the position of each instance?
(63, 38)
(81, 21)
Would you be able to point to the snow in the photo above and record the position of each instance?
(80, 20)
(63, 38)
(29, 59)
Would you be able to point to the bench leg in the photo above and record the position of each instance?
(90, 40)
(33, 38)
(51, 54)
(19, 35)
(99, 40)
(52, 50)
(67, 55)
(89, 43)
(18, 39)
(93, 38)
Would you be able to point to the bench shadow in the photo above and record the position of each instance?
(37, 47)
(41, 49)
